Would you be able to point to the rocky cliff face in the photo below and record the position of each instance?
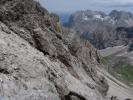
(102, 29)
(39, 60)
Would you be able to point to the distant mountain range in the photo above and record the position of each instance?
(103, 30)
(64, 18)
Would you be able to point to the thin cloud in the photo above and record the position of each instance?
(124, 5)
(115, 3)
(74, 5)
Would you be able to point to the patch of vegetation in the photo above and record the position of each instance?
(120, 67)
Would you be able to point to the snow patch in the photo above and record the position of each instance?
(98, 16)
(85, 18)
(101, 18)
(106, 17)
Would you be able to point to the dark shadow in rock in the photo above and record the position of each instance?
(4, 71)
(74, 96)
(65, 61)
(127, 99)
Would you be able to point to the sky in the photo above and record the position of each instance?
(70, 6)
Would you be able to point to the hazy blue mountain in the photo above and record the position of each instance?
(64, 18)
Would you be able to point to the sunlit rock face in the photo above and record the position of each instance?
(40, 60)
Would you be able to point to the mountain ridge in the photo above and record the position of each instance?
(101, 29)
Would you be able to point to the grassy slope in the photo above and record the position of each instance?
(120, 67)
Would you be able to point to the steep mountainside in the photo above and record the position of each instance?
(104, 30)
(40, 60)
(120, 63)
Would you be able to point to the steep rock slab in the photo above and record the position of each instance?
(42, 30)
(25, 73)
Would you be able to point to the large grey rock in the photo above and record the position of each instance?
(37, 59)
(26, 74)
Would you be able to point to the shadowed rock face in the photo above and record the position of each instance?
(39, 60)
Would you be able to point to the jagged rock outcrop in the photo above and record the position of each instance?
(39, 60)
